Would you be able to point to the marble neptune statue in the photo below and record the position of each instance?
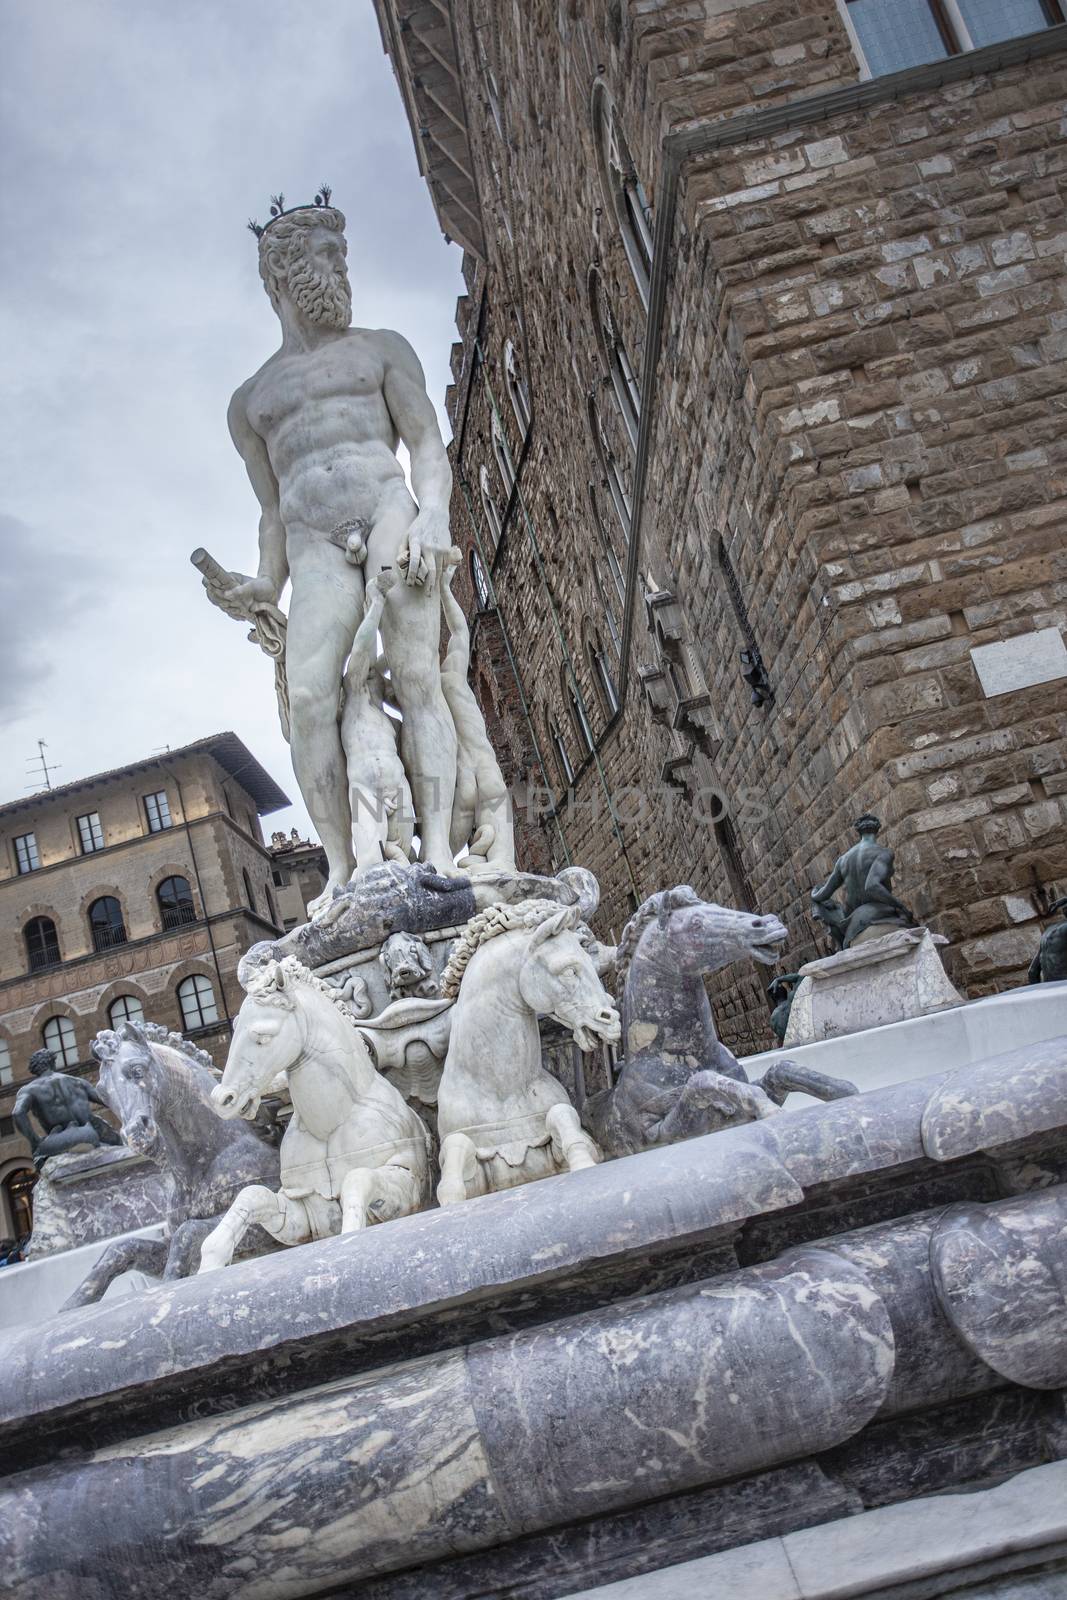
(318, 428)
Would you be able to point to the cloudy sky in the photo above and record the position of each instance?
(136, 138)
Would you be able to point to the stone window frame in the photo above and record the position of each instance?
(272, 909)
(952, 25)
(7, 1066)
(151, 806)
(60, 1016)
(156, 884)
(603, 680)
(122, 999)
(490, 508)
(517, 387)
(250, 893)
(94, 830)
(117, 932)
(505, 466)
(558, 746)
(44, 966)
(577, 716)
(483, 593)
(190, 982)
(612, 347)
(27, 856)
(622, 188)
(611, 476)
(607, 549)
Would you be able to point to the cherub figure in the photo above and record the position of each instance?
(481, 807)
(379, 795)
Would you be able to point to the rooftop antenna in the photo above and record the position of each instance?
(41, 760)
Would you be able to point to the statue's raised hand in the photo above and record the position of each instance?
(237, 595)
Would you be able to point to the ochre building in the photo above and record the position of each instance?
(759, 452)
(128, 895)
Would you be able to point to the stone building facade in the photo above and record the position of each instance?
(132, 893)
(759, 451)
(298, 872)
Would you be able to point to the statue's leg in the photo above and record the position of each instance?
(125, 1255)
(284, 1219)
(411, 633)
(459, 1166)
(184, 1257)
(709, 1101)
(571, 1145)
(377, 1194)
(326, 609)
(786, 1077)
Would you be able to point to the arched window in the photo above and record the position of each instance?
(572, 699)
(196, 1001)
(559, 750)
(489, 505)
(611, 477)
(7, 1071)
(622, 188)
(502, 457)
(106, 924)
(603, 677)
(482, 592)
(250, 898)
(607, 549)
(58, 1036)
(606, 609)
(42, 943)
(270, 906)
(127, 1008)
(615, 357)
(176, 902)
(518, 392)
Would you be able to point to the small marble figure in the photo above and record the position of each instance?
(503, 1119)
(865, 872)
(353, 1153)
(481, 812)
(677, 1079)
(378, 792)
(405, 959)
(1050, 963)
(161, 1086)
(781, 992)
(62, 1105)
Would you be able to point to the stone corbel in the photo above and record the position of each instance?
(677, 773)
(665, 622)
(694, 719)
(657, 693)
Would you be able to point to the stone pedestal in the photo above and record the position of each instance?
(877, 981)
(89, 1195)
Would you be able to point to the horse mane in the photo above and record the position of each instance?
(494, 920)
(657, 907)
(107, 1042)
(264, 986)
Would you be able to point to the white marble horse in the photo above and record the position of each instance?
(503, 1120)
(354, 1152)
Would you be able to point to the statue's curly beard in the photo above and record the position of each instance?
(323, 297)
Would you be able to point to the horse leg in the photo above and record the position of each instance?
(284, 1219)
(709, 1101)
(459, 1165)
(125, 1255)
(185, 1243)
(785, 1077)
(377, 1194)
(571, 1145)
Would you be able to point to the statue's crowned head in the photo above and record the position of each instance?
(302, 258)
(42, 1061)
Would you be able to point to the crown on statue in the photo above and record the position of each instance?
(278, 209)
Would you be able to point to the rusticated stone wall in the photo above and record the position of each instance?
(860, 403)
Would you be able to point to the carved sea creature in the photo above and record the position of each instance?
(677, 1079)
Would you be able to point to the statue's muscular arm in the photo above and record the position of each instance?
(404, 388)
(273, 565)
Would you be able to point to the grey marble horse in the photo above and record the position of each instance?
(677, 1079)
(161, 1085)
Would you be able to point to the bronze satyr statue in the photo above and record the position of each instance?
(865, 872)
(1050, 963)
(61, 1103)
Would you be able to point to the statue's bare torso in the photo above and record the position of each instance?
(330, 437)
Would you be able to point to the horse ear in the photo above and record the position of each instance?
(559, 923)
(133, 1033)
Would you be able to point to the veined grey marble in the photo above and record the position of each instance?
(1006, 1097)
(89, 1195)
(870, 984)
